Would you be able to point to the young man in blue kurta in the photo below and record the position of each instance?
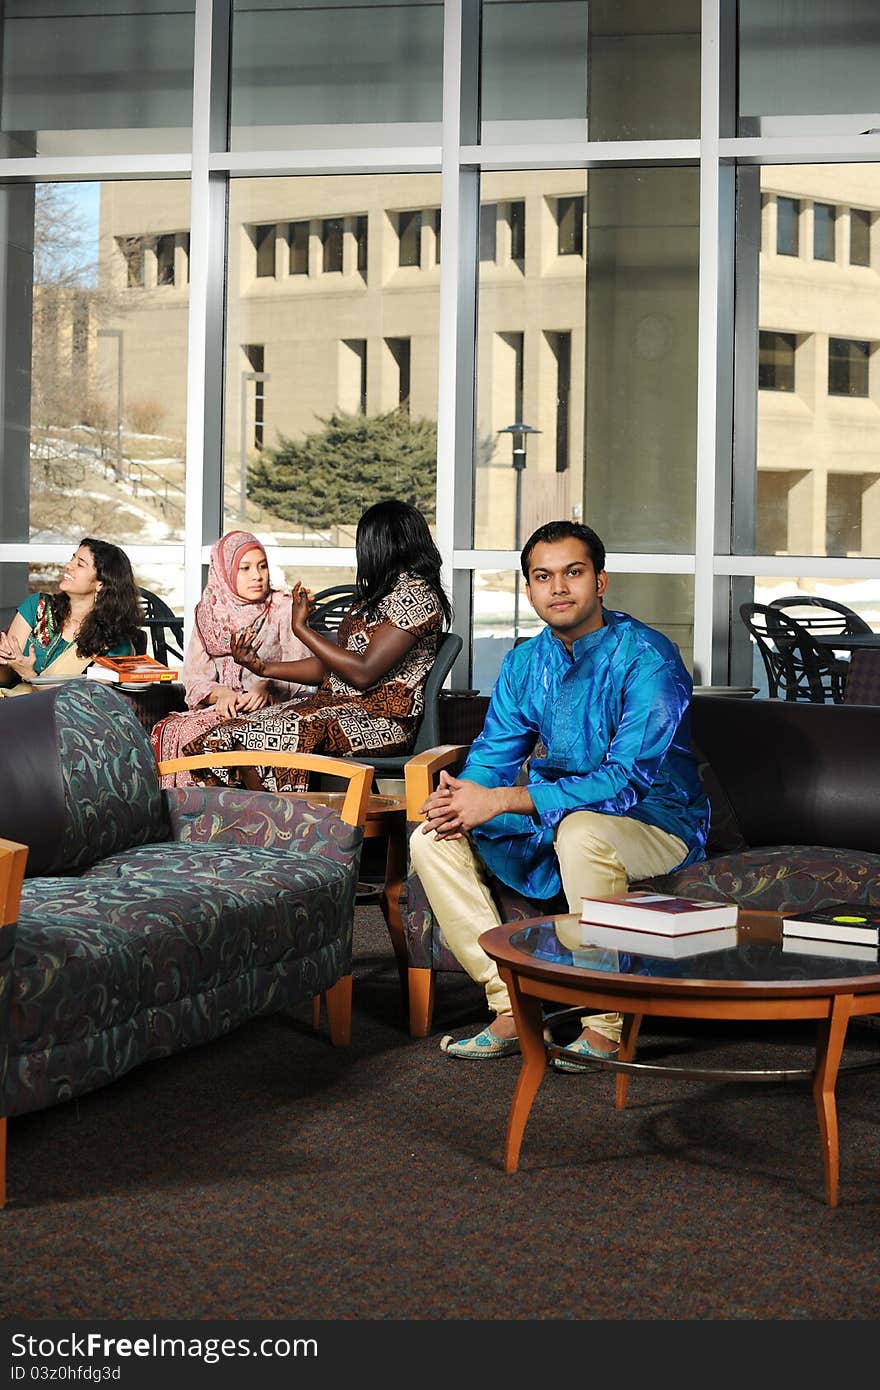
(615, 797)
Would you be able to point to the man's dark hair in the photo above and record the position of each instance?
(553, 531)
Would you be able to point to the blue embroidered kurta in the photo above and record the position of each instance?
(614, 718)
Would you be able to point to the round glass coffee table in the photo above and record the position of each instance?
(759, 977)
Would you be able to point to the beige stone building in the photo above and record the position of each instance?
(333, 301)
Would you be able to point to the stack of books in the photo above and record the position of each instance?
(129, 670)
(658, 924)
(845, 930)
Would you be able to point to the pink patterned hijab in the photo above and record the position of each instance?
(220, 611)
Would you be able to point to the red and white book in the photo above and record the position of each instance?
(129, 670)
(659, 912)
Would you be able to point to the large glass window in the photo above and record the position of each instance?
(558, 68)
(347, 392)
(817, 488)
(306, 74)
(85, 77)
(801, 61)
(96, 306)
(503, 614)
(600, 367)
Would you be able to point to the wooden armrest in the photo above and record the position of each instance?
(422, 770)
(359, 776)
(13, 858)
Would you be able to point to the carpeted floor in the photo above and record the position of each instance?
(270, 1175)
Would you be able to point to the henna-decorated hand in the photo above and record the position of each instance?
(301, 606)
(244, 650)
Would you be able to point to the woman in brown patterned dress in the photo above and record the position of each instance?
(370, 679)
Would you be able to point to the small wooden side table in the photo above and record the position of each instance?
(386, 819)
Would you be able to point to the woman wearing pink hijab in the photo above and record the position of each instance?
(238, 595)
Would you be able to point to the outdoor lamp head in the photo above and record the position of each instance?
(518, 433)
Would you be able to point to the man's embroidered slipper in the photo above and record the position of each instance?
(581, 1048)
(482, 1045)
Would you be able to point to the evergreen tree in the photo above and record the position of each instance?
(331, 476)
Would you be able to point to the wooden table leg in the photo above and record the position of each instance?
(831, 1035)
(626, 1052)
(529, 1016)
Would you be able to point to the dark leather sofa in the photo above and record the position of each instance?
(793, 788)
(136, 922)
(795, 820)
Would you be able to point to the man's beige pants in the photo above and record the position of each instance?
(598, 856)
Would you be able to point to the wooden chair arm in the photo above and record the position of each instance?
(359, 776)
(13, 858)
(422, 770)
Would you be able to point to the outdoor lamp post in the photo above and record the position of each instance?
(118, 335)
(518, 433)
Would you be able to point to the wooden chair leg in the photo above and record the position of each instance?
(338, 1001)
(420, 983)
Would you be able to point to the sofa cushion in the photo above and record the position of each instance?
(79, 777)
(215, 814)
(779, 878)
(112, 794)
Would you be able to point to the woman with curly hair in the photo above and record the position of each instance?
(96, 612)
(370, 679)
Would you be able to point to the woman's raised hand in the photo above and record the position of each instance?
(244, 649)
(302, 604)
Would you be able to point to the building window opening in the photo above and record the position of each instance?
(488, 215)
(256, 356)
(352, 389)
(165, 260)
(561, 345)
(298, 242)
(847, 367)
(400, 349)
(787, 216)
(843, 513)
(517, 219)
(409, 235)
(776, 361)
(360, 239)
(331, 239)
(859, 237)
(264, 240)
(823, 231)
(570, 225)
